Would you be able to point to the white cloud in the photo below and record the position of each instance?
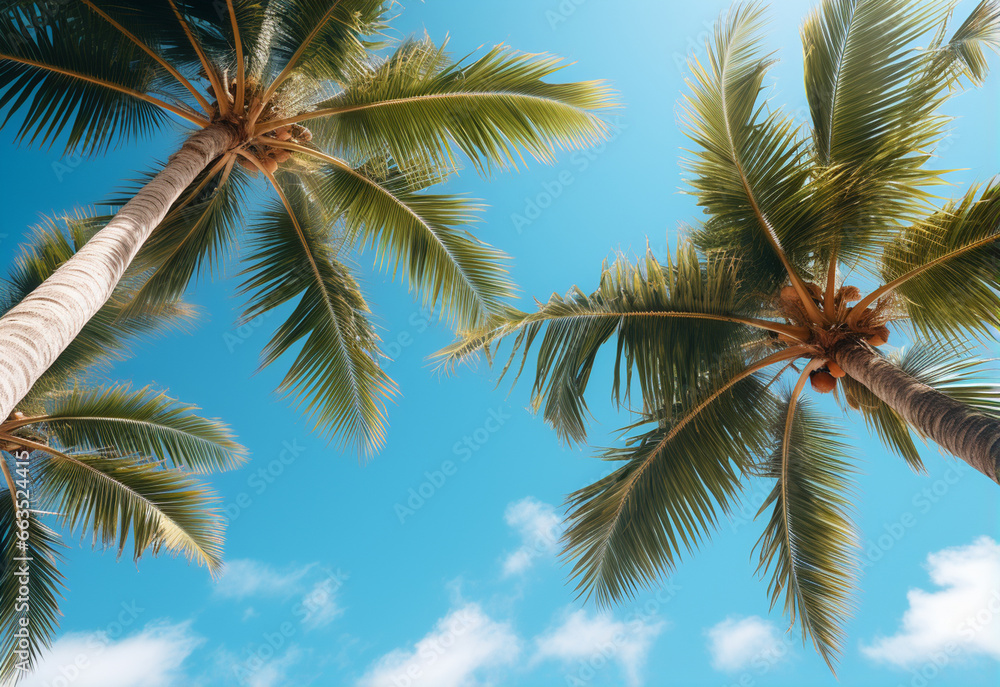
(243, 578)
(736, 643)
(959, 620)
(151, 658)
(539, 527)
(598, 639)
(463, 646)
(320, 605)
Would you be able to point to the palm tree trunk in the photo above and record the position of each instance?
(35, 331)
(959, 429)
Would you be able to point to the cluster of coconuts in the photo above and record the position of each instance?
(270, 156)
(870, 325)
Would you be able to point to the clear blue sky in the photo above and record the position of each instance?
(466, 589)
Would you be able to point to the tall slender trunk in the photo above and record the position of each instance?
(34, 332)
(956, 427)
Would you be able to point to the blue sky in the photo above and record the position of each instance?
(434, 564)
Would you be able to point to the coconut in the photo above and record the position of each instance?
(283, 134)
(814, 291)
(245, 163)
(270, 166)
(880, 337)
(823, 382)
(835, 370)
(281, 156)
(306, 135)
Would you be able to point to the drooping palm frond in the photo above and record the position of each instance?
(747, 171)
(678, 479)
(117, 499)
(944, 269)
(418, 104)
(670, 323)
(141, 422)
(29, 562)
(79, 79)
(810, 543)
(335, 376)
(420, 234)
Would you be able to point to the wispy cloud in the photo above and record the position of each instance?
(736, 643)
(539, 527)
(960, 619)
(150, 658)
(461, 650)
(245, 578)
(599, 638)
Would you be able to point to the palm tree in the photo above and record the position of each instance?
(349, 142)
(110, 462)
(758, 291)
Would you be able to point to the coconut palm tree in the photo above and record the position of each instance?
(112, 463)
(758, 291)
(302, 94)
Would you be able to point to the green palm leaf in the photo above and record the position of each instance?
(748, 171)
(874, 98)
(670, 323)
(420, 234)
(77, 78)
(141, 422)
(810, 542)
(678, 478)
(945, 268)
(115, 499)
(417, 105)
(44, 583)
(335, 376)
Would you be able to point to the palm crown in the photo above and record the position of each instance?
(110, 462)
(758, 291)
(349, 139)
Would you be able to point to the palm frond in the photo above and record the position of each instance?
(418, 105)
(670, 323)
(30, 562)
(944, 269)
(678, 478)
(810, 542)
(336, 376)
(874, 98)
(143, 422)
(75, 77)
(747, 171)
(420, 234)
(321, 39)
(115, 499)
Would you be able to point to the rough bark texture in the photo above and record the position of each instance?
(34, 332)
(967, 433)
